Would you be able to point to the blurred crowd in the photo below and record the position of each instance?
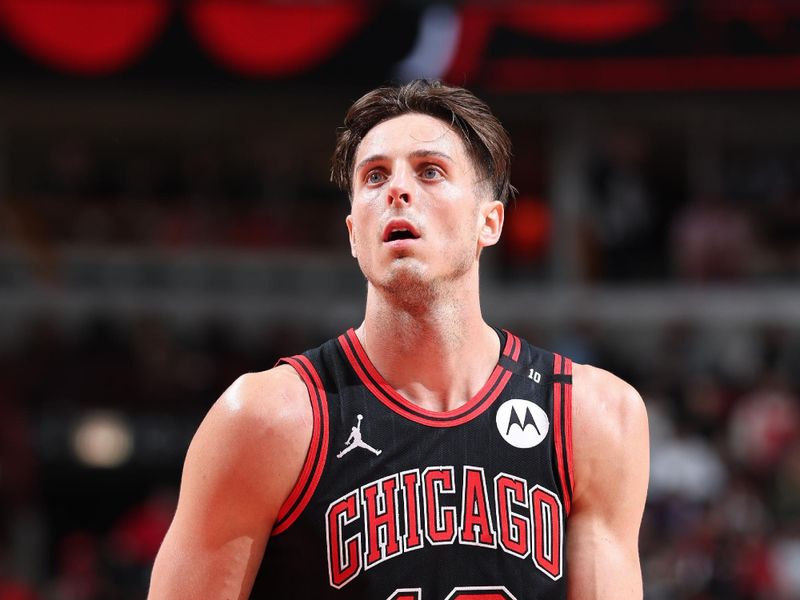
(640, 218)
(74, 530)
(738, 221)
(74, 193)
(723, 513)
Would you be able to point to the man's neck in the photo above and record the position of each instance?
(438, 357)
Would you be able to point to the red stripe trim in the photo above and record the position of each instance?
(393, 394)
(568, 423)
(393, 400)
(513, 346)
(517, 347)
(318, 448)
(313, 447)
(377, 392)
(509, 343)
(557, 434)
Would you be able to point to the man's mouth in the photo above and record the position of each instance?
(399, 231)
(400, 234)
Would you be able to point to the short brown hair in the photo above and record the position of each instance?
(484, 137)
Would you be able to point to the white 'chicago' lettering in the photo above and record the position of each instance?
(405, 511)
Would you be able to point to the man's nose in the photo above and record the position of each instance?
(401, 184)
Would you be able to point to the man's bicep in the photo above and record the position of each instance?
(602, 562)
(214, 536)
(236, 475)
(187, 568)
(611, 452)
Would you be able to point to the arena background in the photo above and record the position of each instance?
(166, 223)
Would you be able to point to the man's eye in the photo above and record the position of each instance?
(431, 173)
(374, 177)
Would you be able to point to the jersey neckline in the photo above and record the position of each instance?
(395, 401)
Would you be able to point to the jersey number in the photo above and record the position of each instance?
(461, 593)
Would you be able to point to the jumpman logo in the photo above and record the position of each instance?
(355, 441)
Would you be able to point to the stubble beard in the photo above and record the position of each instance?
(407, 285)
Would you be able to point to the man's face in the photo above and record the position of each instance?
(419, 215)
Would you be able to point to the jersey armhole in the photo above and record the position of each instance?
(314, 463)
(562, 430)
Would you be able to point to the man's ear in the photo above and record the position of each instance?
(351, 235)
(491, 214)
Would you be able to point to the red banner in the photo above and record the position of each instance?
(86, 37)
(274, 39)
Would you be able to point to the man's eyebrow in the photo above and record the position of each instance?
(370, 159)
(426, 153)
(416, 154)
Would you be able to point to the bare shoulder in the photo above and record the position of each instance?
(241, 466)
(605, 404)
(610, 432)
(275, 399)
(265, 407)
(255, 437)
(611, 458)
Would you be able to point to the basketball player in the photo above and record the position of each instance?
(424, 455)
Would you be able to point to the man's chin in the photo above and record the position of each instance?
(407, 282)
(401, 278)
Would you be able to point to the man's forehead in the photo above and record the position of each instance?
(408, 133)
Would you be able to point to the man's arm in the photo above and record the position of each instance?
(611, 465)
(240, 467)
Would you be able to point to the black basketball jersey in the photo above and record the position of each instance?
(395, 502)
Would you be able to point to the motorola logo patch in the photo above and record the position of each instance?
(522, 423)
